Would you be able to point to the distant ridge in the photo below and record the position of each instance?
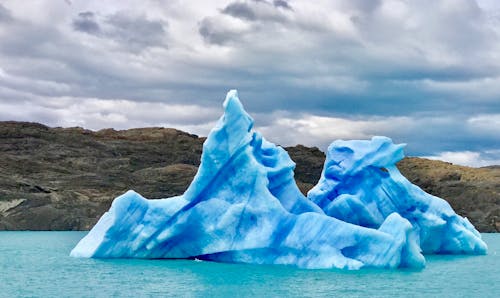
(65, 178)
(492, 167)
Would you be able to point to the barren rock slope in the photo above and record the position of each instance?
(65, 178)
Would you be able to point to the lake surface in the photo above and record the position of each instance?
(37, 264)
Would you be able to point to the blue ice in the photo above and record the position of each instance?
(361, 184)
(244, 206)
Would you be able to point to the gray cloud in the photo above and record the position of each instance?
(429, 68)
(362, 5)
(282, 4)
(240, 10)
(258, 15)
(213, 34)
(136, 32)
(261, 11)
(5, 15)
(85, 22)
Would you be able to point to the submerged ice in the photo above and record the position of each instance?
(244, 206)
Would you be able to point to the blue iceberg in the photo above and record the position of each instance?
(361, 184)
(244, 206)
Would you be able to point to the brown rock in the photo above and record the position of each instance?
(66, 178)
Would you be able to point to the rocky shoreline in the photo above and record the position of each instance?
(66, 178)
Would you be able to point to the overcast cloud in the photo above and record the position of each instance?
(426, 72)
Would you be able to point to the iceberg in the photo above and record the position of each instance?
(361, 184)
(244, 206)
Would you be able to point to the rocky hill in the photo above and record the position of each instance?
(65, 178)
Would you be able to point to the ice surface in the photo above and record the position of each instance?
(244, 206)
(360, 184)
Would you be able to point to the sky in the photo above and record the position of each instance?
(423, 72)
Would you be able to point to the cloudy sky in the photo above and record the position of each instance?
(423, 72)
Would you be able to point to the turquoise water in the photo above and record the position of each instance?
(36, 264)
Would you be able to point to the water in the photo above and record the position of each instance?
(36, 264)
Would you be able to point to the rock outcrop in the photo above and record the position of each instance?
(66, 178)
